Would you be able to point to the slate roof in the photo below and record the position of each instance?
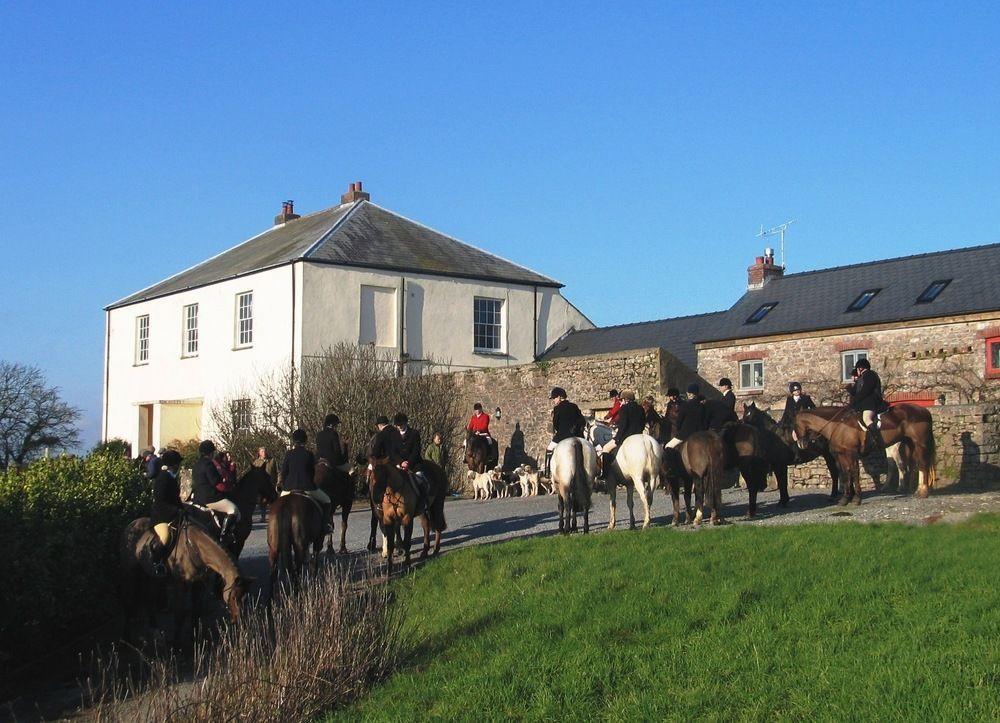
(676, 336)
(353, 234)
(813, 300)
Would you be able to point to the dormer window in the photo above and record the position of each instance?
(862, 301)
(761, 312)
(932, 291)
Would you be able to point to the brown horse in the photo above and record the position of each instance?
(194, 559)
(481, 453)
(294, 524)
(841, 427)
(703, 457)
(339, 485)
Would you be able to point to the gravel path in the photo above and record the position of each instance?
(471, 522)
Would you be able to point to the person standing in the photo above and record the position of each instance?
(434, 451)
(567, 421)
(265, 462)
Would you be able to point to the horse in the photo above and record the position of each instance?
(637, 465)
(253, 486)
(431, 514)
(339, 486)
(744, 450)
(674, 473)
(294, 524)
(702, 455)
(574, 466)
(908, 424)
(481, 453)
(393, 502)
(193, 559)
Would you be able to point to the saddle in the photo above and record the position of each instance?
(207, 519)
(301, 493)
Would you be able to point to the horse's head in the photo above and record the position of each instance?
(806, 428)
(750, 412)
(233, 595)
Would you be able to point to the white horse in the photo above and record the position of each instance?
(574, 466)
(637, 466)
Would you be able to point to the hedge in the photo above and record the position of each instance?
(60, 523)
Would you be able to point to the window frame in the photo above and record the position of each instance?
(860, 302)
(923, 294)
(500, 325)
(140, 352)
(992, 370)
(753, 386)
(241, 413)
(845, 375)
(187, 329)
(762, 311)
(237, 330)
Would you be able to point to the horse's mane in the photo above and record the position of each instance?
(828, 412)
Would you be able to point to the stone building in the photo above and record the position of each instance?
(355, 273)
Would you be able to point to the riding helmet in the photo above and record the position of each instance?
(694, 389)
(794, 387)
(299, 436)
(628, 396)
(725, 382)
(381, 419)
(478, 406)
(206, 447)
(400, 420)
(331, 420)
(170, 458)
(673, 392)
(863, 364)
(612, 394)
(557, 392)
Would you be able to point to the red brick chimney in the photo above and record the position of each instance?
(763, 270)
(287, 213)
(354, 193)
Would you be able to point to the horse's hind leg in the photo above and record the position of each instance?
(407, 536)
(646, 497)
(698, 503)
(630, 501)
(675, 498)
(781, 474)
(688, 511)
(372, 547)
(613, 500)
(562, 514)
(426, 524)
(389, 546)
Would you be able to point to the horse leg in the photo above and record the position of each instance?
(698, 503)
(688, 511)
(781, 474)
(586, 520)
(426, 524)
(844, 476)
(613, 499)
(855, 479)
(371, 538)
(747, 471)
(675, 498)
(407, 536)
(562, 511)
(388, 545)
(630, 502)
(717, 508)
(834, 468)
(924, 476)
(646, 497)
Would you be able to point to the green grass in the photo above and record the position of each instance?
(827, 622)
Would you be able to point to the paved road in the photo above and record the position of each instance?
(471, 522)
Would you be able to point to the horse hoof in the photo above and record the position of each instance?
(857, 501)
(342, 550)
(923, 492)
(842, 502)
(784, 502)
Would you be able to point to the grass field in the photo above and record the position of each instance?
(845, 622)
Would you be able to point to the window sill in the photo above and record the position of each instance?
(993, 373)
(750, 392)
(189, 356)
(243, 348)
(140, 364)
(491, 352)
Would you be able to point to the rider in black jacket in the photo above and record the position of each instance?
(691, 418)
(866, 397)
(165, 509)
(567, 421)
(631, 420)
(207, 486)
(795, 402)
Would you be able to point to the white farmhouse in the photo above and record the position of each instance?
(354, 273)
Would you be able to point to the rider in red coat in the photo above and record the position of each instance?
(612, 416)
(480, 422)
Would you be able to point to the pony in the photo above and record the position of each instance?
(480, 453)
(193, 560)
(339, 486)
(255, 485)
(294, 524)
(574, 466)
(907, 424)
(637, 466)
(702, 455)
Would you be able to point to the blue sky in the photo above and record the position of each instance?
(631, 151)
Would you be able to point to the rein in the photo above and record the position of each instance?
(831, 420)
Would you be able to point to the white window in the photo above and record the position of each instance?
(487, 325)
(378, 316)
(190, 343)
(142, 339)
(847, 361)
(244, 319)
(242, 414)
(752, 374)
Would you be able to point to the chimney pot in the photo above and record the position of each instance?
(287, 213)
(763, 270)
(354, 193)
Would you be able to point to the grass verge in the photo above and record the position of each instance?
(843, 622)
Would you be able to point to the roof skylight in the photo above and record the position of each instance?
(932, 291)
(862, 301)
(760, 313)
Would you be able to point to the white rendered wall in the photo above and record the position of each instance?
(218, 372)
(437, 315)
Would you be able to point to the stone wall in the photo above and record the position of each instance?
(968, 450)
(946, 359)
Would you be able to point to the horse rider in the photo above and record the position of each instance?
(866, 397)
(631, 420)
(330, 448)
(795, 402)
(674, 401)
(384, 446)
(653, 418)
(209, 489)
(567, 421)
(165, 509)
(616, 404)
(410, 452)
(726, 389)
(479, 423)
(298, 474)
(691, 416)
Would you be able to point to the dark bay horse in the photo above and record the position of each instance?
(294, 525)
(253, 486)
(393, 518)
(339, 485)
(840, 426)
(703, 456)
(480, 453)
(194, 559)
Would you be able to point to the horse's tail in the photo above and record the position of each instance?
(579, 478)
(284, 539)
(713, 479)
(439, 481)
(930, 450)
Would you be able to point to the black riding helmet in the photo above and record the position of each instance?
(673, 392)
(206, 447)
(725, 382)
(331, 420)
(694, 389)
(557, 392)
(863, 364)
(171, 458)
(400, 420)
(612, 394)
(381, 419)
(299, 436)
(794, 387)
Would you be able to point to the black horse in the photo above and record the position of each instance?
(481, 453)
(783, 451)
(339, 486)
(253, 486)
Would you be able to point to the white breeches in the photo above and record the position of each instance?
(673, 443)
(223, 505)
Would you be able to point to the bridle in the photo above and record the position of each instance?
(830, 421)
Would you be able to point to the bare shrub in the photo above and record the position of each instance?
(356, 382)
(312, 652)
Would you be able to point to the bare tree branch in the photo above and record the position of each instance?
(32, 415)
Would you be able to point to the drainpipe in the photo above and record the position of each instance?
(402, 324)
(534, 323)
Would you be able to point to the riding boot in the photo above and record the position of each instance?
(327, 518)
(153, 555)
(873, 439)
(605, 465)
(548, 464)
(227, 524)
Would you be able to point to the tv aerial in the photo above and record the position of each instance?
(779, 231)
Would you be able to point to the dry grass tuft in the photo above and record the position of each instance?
(311, 652)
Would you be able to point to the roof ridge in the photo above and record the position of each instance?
(464, 243)
(888, 261)
(330, 231)
(651, 321)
